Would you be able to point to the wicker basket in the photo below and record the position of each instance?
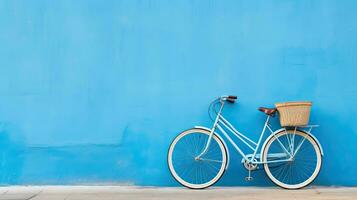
(294, 113)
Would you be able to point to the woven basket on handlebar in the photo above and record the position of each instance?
(294, 113)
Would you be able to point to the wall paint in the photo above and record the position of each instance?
(93, 92)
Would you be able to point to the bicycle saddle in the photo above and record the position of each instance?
(268, 111)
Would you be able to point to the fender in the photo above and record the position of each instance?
(224, 143)
(282, 129)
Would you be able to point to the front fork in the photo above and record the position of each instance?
(211, 133)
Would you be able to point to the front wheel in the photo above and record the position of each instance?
(193, 172)
(292, 159)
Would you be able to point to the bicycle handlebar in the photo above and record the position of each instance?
(228, 98)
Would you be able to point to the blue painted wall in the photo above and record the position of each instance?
(94, 91)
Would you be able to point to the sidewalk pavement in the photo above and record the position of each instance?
(173, 193)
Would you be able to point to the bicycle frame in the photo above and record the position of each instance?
(221, 122)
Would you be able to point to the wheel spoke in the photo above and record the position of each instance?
(282, 146)
(303, 166)
(298, 147)
(197, 173)
(211, 160)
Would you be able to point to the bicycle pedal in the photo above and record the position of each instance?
(248, 178)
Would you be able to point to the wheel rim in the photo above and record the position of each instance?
(304, 166)
(191, 172)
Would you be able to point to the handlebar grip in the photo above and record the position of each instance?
(232, 97)
(230, 100)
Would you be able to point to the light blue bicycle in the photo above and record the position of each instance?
(198, 157)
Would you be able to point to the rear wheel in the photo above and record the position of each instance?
(193, 172)
(292, 159)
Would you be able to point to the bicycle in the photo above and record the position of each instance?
(291, 156)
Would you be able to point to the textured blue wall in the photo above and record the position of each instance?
(94, 91)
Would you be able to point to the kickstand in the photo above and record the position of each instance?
(249, 177)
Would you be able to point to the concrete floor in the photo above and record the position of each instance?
(138, 193)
